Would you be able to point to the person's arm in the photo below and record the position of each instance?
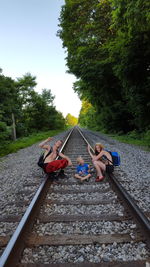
(99, 155)
(89, 168)
(89, 150)
(65, 157)
(44, 145)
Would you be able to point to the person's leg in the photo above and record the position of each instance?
(78, 176)
(63, 164)
(86, 177)
(56, 165)
(50, 173)
(100, 167)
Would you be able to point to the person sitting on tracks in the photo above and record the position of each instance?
(102, 161)
(51, 164)
(82, 170)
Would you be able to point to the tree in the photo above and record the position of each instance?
(71, 120)
(88, 56)
(8, 103)
(40, 114)
(25, 86)
(27, 110)
(87, 116)
(130, 53)
(108, 50)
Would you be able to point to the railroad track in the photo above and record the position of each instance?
(72, 224)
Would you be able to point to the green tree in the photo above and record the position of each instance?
(25, 90)
(87, 116)
(25, 108)
(130, 54)
(71, 120)
(107, 45)
(25, 86)
(88, 58)
(8, 102)
(40, 113)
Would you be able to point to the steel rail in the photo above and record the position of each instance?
(138, 214)
(10, 248)
(4, 261)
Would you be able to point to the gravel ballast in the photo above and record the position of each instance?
(18, 172)
(83, 209)
(21, 177)
(101, 227)
(89, 253)
(81, 196)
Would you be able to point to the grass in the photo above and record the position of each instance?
(129, 140)
(20, 143)
(134, 138)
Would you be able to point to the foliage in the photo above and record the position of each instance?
(108, 50)
(5, 131)
(87, 115)
(33, 112)
(8, 99)
(11, 147)
(130, 53)
(135, 138)
(71, 120)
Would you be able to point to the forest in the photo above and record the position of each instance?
(23, 111)
(107, 44)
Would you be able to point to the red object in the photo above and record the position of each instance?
(98, 179)
(56, 165)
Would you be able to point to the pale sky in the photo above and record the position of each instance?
(29, 44)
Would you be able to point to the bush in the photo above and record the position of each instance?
(147, 137)
(10, 147)
(5, 131)
(134, 135)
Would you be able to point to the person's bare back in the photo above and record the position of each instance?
(108, 156)
(53, 155)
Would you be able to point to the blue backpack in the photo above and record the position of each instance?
(115, 158)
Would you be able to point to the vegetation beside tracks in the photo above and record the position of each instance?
(14, 146)
(133, 137)
(108, 50)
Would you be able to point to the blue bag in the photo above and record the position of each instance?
(115, 158)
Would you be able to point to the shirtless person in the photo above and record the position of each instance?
(50, 162)
(102, 161)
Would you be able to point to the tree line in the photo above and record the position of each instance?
(107, 43)
(23, 111)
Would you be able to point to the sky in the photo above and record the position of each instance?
(29, 44)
